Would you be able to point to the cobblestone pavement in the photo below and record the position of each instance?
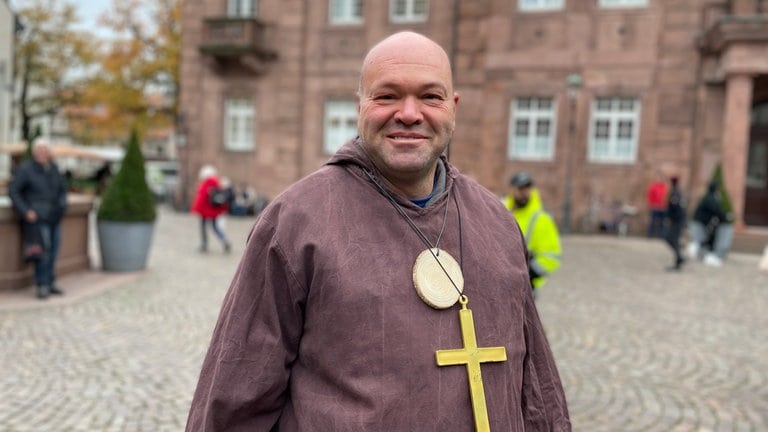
(639, 349)
(642, 349)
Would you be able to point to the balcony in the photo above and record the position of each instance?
(734, 29)
(238, 39)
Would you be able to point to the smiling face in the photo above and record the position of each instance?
(406, 110)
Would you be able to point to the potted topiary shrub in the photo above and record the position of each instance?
(724, 233)
(126, 216)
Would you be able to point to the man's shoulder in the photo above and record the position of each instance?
(25, 166)
(468, 183)
(544, 216)
(23, 171)
(311, 190)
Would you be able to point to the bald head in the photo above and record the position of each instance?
(406, 48)
(41, 151)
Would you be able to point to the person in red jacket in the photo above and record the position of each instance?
(209, 207)
(656, 198)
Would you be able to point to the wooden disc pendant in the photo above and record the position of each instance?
(432, 283)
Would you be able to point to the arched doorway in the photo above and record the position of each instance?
(756, 193)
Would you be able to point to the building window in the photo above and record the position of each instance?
(404, 11)
(539, 5)
(622, 3)
(239, 116)
(532, 129)
(346, 11)
(757, 165)
(613, 130)
(241, 8)
(757, 157)
(340, 124)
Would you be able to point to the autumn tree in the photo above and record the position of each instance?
(50, 60)
(138, 80)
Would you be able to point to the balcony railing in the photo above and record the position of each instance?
(236, 36)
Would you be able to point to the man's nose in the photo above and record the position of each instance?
(410, 111)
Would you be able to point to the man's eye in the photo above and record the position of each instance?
(433, 96)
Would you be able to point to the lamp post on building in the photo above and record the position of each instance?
(573, 82)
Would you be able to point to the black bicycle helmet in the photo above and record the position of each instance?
(521, 179)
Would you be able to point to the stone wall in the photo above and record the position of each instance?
(73, 254)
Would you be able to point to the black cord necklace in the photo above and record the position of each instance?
(438, 280)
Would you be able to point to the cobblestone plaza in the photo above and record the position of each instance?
(638, 348)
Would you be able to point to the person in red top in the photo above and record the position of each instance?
(656, 197)
(209, 213)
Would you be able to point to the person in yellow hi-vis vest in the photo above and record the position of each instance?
(541, 236)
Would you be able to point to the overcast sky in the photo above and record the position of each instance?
(87, 10)
(90, 10)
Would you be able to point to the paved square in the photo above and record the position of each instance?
(639, 348)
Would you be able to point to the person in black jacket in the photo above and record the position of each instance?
(706, 218)
(676, 216)
(38, 193)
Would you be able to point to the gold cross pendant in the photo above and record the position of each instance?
(472, 356)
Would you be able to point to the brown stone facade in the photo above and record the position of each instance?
(694, 66)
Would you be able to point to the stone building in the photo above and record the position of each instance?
(593, 97)
(7, 29)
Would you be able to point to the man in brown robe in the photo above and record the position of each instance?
(322, 329)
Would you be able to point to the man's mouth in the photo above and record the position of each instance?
(406, 137)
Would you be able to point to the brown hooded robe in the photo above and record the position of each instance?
(322, 330)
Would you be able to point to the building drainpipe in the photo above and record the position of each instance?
(303, 80)
(454, 49)
(693, 161)
(573, 82)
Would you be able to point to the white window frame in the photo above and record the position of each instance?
(239, 120)
(619, 4)
(535, 148)
(339, 123)
(410, 15)
(345, 11)
(539, 5)
(614, 115)
(242, 8)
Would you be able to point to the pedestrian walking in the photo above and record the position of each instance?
(656, 198)
(707, 216)
(210, 202)
(676, 209)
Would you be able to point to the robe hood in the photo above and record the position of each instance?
(352, 153)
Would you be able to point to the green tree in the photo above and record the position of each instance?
(128, 197)
(49, 55)
(725, 198)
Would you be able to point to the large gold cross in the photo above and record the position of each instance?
(472, 356)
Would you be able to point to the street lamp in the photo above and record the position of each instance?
(573, 81)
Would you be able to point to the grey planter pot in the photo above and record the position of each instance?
(124, 246)
(723, 240)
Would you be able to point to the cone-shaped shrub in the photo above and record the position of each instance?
(128, 198)
(725, 198)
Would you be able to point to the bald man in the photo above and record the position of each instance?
(386, 291)
(39, 194)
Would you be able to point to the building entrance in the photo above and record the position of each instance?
(756, 194)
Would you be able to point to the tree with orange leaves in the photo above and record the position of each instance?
(137, 83)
